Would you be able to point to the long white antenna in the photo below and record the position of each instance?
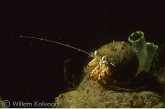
(66, 45)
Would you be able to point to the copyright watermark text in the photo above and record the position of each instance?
(6, 104)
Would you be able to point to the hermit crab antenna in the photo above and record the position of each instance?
(66, 45)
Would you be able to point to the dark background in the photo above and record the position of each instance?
(32, 70)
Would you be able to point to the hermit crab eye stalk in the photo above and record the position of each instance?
(103, 58)
(97, 56)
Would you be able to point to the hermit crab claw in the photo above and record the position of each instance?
(92, 64)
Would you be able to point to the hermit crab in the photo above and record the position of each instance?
(114, 66)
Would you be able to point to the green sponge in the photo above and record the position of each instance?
(144, 50)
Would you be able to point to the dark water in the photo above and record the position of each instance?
(32, 70)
